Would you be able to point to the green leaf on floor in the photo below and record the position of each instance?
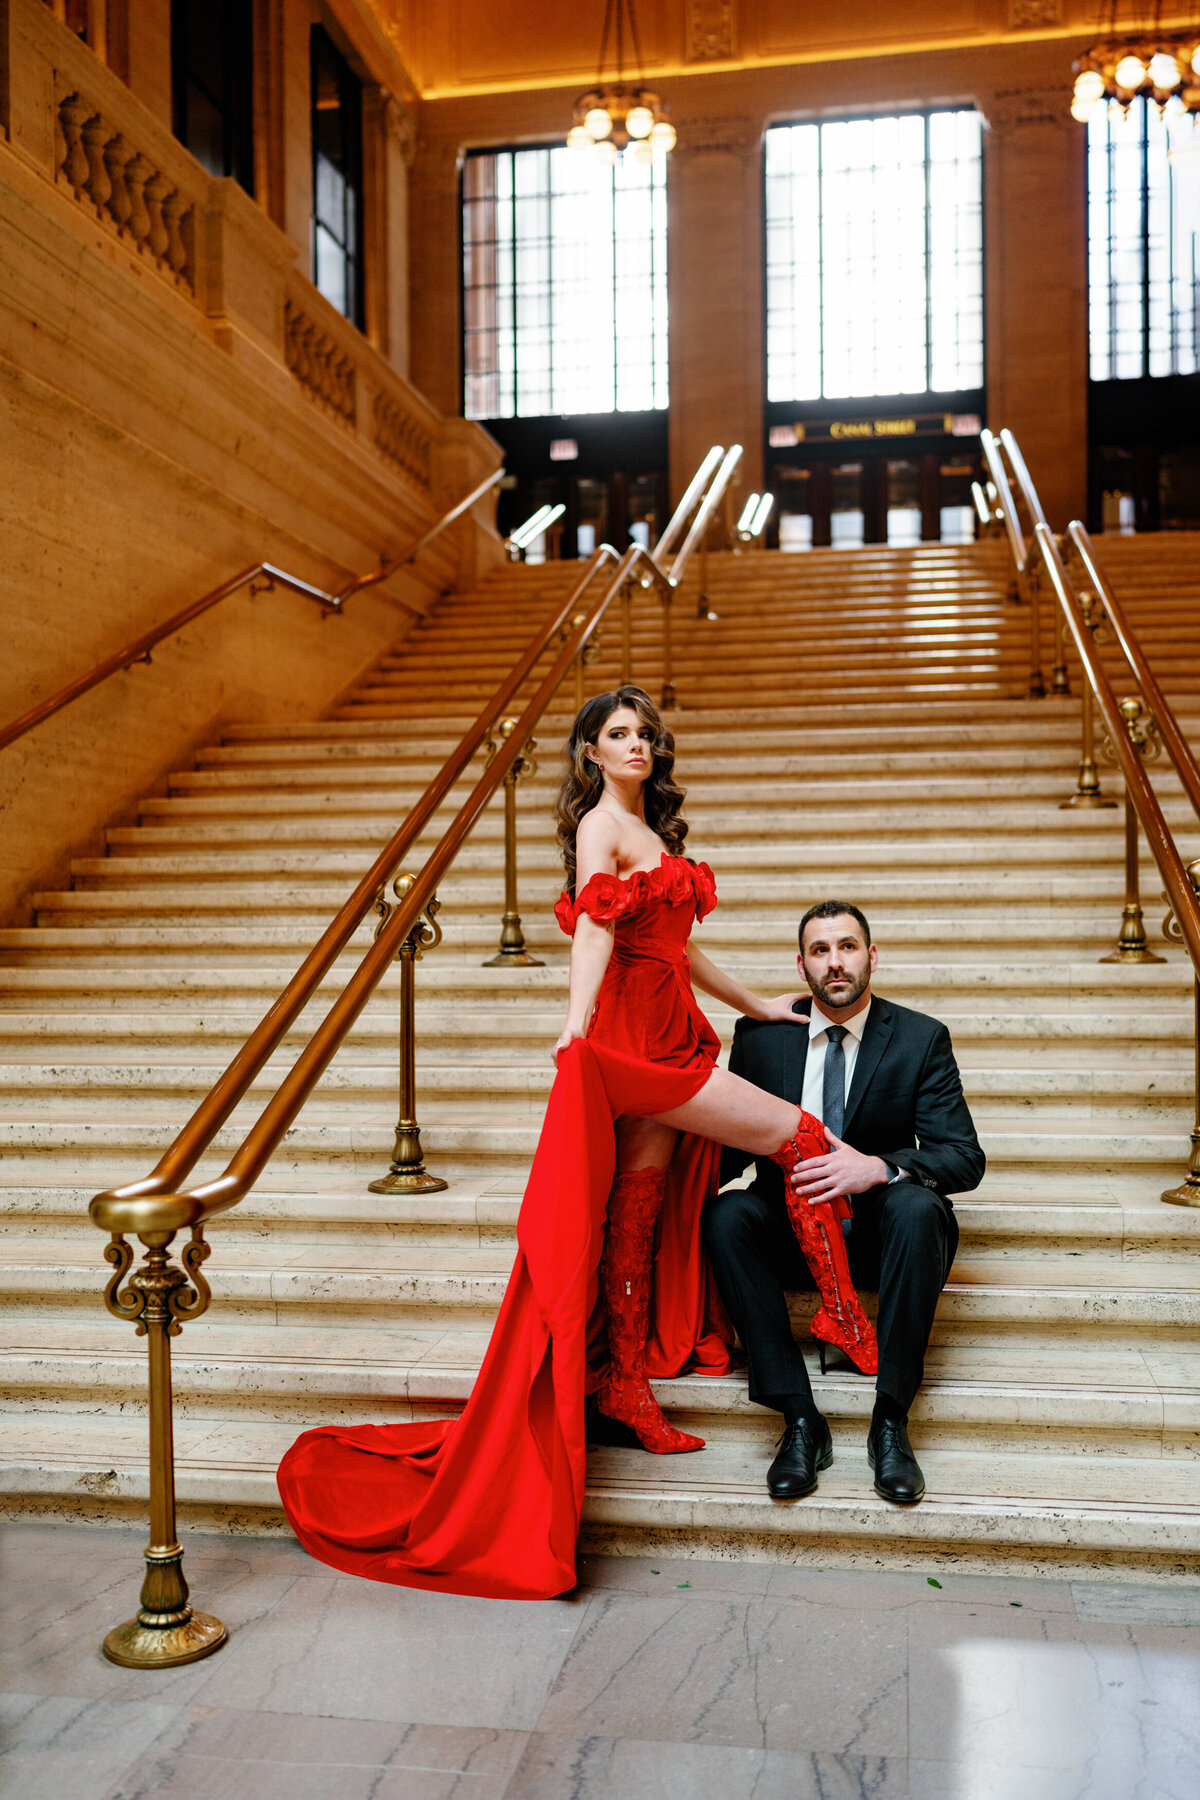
(656, 1571)
(683, 1584)
(1016, 1603)
(932, 1582)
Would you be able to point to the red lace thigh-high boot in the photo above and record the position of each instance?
(633, 1207)
(840, 1319)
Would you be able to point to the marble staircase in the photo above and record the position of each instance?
(851, 723)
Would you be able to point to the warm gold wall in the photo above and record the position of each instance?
(1034, 218)
(178, 405)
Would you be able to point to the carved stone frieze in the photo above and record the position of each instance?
(711, 30)
(123, 189)
(1034, 15)
(1017, 109)
(400, 437)
(319, 364)
(733, 136)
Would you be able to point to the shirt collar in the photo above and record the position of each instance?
(818, 1022)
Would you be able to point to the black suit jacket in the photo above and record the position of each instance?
(905, 1102)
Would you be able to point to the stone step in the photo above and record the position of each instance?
(1127, 1306)
(1049, 1514)
(1124, 1403)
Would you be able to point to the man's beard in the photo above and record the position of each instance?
(856, 985)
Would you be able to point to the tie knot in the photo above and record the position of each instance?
(835, 1033)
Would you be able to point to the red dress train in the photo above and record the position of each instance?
(490, 1503)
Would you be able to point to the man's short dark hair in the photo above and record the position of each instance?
(833, 909)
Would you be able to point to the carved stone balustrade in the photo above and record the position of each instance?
(110, 175)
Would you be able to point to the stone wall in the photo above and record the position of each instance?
(180, 402)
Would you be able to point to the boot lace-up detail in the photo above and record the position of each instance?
(840, 1319)
(624, 1395)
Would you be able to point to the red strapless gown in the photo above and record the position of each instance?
(490, 1503)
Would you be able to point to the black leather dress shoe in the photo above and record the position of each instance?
(804, 1450)
(898, 1474)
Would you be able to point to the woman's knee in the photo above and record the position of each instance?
(643, 1144)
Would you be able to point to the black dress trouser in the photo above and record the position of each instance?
(902, 1244)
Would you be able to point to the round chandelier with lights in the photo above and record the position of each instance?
(613, 117)
(1141, 59)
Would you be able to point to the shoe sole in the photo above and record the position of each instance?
(822, 1463)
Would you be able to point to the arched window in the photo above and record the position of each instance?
(1143, 250)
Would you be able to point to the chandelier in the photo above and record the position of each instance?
(1141, 59)
(613, 117)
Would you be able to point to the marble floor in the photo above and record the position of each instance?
(655, 1680)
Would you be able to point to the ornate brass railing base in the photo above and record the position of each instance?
(142, 1644)
(408, 1181)
(514, 959)
(408, 1174)
(1188, 1191)
(1085, 800)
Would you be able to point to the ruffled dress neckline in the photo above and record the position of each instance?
(610, 897)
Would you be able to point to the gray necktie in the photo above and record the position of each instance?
(833, 1084)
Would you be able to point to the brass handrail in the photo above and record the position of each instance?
(139, 650)
(132, 1209)
(691, 495)
(1178, 748)
(181, 1157)
(1059, 681)
(1181, 896)
(1025, 578)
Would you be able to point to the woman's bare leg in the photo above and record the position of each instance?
(643, 1144)
(737, 1113)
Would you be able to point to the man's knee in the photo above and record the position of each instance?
(732, 1219)
(915, 1214)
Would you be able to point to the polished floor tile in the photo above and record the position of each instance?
(657, 1679)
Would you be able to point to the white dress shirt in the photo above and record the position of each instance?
(812, 1096)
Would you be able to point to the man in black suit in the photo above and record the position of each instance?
(883, 1080)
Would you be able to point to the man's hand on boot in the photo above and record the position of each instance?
(841, 1171)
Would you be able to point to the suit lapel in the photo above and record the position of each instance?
(875, 1041)
(795, 1056)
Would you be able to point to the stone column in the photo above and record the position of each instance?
(714, 262)
(434, 314)
(1036, 304)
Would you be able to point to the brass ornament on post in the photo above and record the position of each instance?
(512, 953)
(1188, 1191)
(160, 1295)
(408, 1174)
(1131, 944)
(1087, 787)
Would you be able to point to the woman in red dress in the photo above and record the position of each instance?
(490, 1503)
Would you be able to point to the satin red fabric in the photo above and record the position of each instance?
(490, 1503)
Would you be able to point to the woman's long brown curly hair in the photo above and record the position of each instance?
(583, 783)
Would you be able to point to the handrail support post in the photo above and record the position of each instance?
(668, 654)
(512, 953)
(1088, 792)
(165, 1631)
(408, 1174)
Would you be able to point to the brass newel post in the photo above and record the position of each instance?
(1188, 1191)
(1131, 944)
(668, 673)
(1087, 786)
(512, 952)
(158, 1298)
(626, 634)
(408, 1174)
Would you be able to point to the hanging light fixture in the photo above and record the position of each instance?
(613, 119)
(1161, 66)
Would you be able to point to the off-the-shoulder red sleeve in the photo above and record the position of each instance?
(604, 897)
(705, 886)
